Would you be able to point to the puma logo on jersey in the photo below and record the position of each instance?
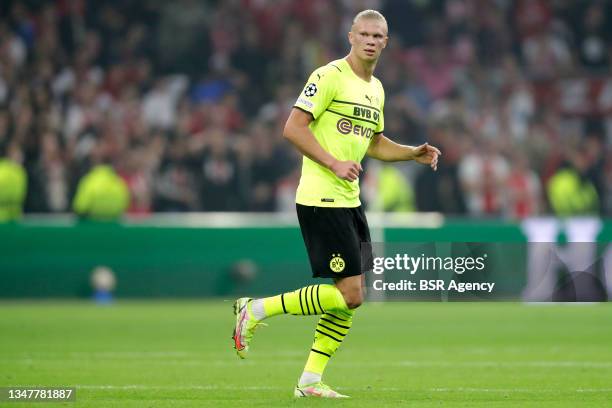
(372, 99)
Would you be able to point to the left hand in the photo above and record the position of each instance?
(426, 154)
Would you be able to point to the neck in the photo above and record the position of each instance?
(363, 69)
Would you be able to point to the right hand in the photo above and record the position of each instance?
(346, 170)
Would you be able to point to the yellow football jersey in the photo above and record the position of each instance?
(347, 112)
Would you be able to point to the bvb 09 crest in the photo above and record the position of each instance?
(337, 264)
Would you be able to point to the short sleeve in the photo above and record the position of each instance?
(318, 93)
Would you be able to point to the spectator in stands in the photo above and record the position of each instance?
(442, 191)
(393, 192)
(120, 74)
(101, 195)
(220, 174)
(594, 36)
(483, 173)
(523, 188)
(173, 183)
(13, 184)
(159, 105)
(137, 176)
(49, 184)
(594, 146)
(266, 166)
(570, 192)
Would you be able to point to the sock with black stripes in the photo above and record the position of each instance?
(335, 321)
(309, 300)
(330, 331)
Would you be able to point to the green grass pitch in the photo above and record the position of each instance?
(178, 354)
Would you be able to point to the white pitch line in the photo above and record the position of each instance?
(519, 390)
(143, 354)
(212, 387)
(111, 354)
(410, 363)
(586, 364)
(200, 361)
(594, 390)
(176, 387)
(206, 355)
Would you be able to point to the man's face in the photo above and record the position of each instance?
(368, 37)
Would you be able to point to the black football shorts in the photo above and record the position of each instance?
(337, 240)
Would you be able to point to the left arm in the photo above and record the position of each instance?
(383, 148)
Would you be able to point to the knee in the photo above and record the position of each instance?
(351, 290)
(354, 304)
(353, 300)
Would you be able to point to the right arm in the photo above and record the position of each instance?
(297, 132)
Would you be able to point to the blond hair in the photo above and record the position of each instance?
(370, 14)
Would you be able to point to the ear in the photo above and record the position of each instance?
(386, 41)
(350, 37)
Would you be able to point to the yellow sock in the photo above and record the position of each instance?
(330, 331)
(309, 300)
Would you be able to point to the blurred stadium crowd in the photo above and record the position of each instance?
(187, 100)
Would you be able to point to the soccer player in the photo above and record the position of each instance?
(335, 122)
